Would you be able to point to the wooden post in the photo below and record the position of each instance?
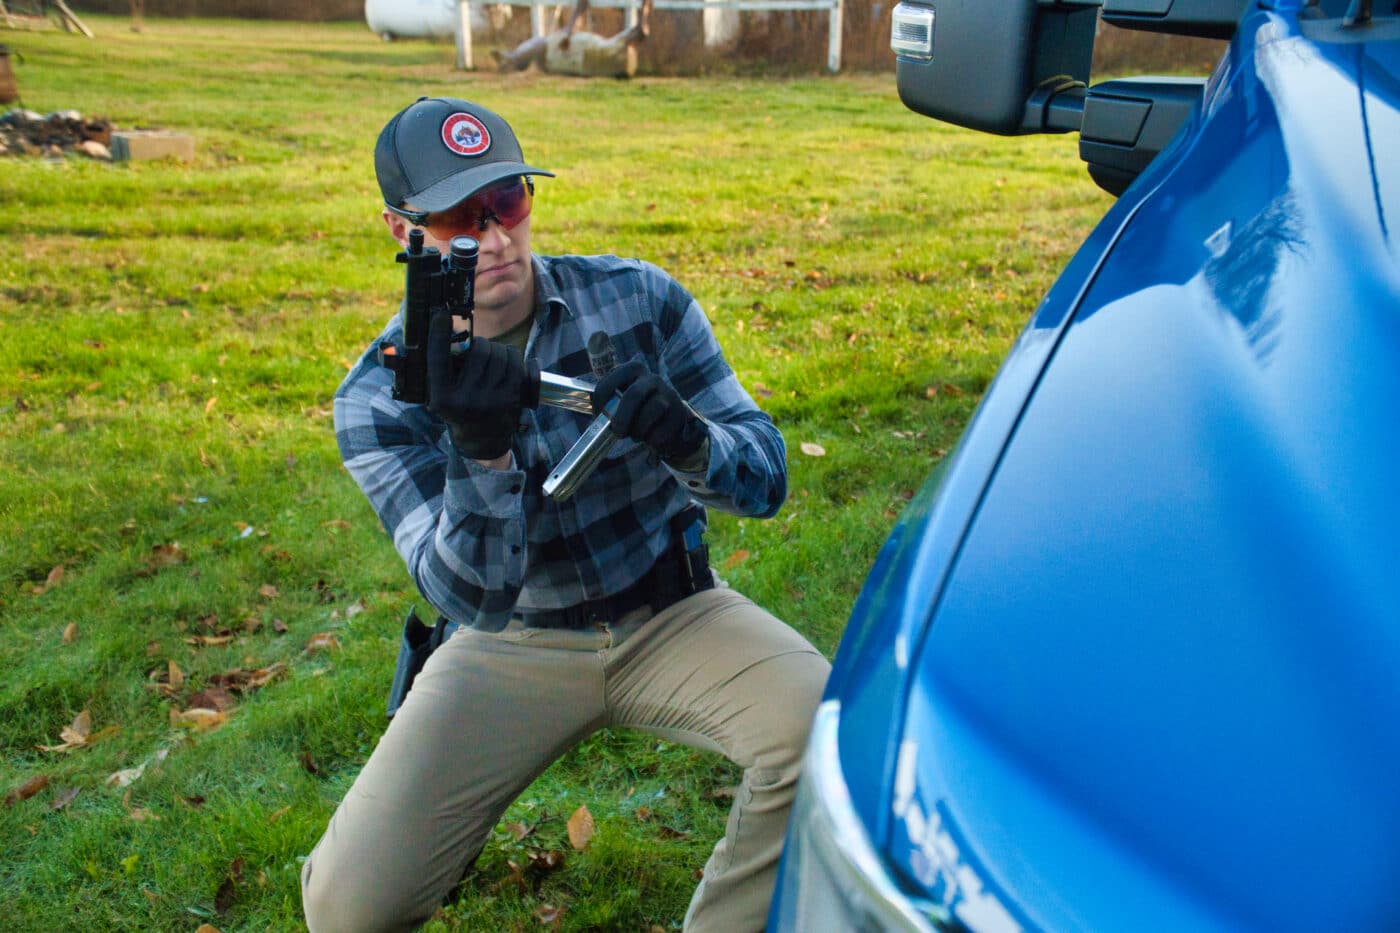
(70, 20)
(464, 35)
(833, 42)
(539, 16)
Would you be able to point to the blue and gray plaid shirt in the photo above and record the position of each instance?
(482, 544)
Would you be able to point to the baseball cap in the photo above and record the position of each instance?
(441, 150)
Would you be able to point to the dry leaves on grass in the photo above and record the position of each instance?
(26, 790)
(162, 555)
(228, 889)
(322, 641)
(198, 718)
(54, 578)
(549, 915)
(63, 798)
(813, 450)
(580, 828)
(137, 814)
(79, 734)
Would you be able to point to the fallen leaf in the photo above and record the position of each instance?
(207, 928)
(643, 814)
(200, 718)
(268, 591)
(53, 579)
(70, 633)
(354, 609)
(74, 735)
(547, 861)
(139, 814)
(735, 559)
(64, 798)
(228, 890)
(322, 641)
(164, 555)
(516, 877)
(167, 682)
(813, 450)
(208, 641)
(549, 915)
(580, 828)
(241, 680)
(125, 777)
(209, 405)
(26, 790)
(213, 697)
(519, 831)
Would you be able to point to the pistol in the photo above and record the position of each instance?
(437, 284)
(433, 284)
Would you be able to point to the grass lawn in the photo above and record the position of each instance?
(176, 531)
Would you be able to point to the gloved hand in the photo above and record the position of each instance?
(651, 411)
(479, 393)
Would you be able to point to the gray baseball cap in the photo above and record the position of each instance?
(441, 150)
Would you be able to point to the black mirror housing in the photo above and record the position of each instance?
(977, 63)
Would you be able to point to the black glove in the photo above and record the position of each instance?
(479, 393)
(651, 411)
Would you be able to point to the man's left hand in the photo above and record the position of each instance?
(650, 410)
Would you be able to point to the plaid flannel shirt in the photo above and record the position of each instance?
(482, 544)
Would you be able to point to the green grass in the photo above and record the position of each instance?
(173, 335)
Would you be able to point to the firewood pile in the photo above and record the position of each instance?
(26, 133)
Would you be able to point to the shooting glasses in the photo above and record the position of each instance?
(507, 203)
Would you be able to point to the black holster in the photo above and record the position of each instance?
(417, 643)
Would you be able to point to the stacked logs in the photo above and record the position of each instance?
(26, 133)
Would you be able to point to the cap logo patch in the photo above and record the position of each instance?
(465, 135)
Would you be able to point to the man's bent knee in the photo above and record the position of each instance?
(352, 904)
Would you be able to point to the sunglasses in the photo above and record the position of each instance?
(507, 204)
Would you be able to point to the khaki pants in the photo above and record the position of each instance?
(490, 712)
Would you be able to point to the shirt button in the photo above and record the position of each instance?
(515, 549)
(515, 488)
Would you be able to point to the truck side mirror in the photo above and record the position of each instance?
(978, 63)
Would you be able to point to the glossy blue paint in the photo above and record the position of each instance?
(1140, 641)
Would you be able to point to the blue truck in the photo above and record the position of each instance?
(1130, 660)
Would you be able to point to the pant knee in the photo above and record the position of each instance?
(335, 904)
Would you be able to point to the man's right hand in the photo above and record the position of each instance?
(479, 393)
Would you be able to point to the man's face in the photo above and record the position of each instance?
(504, 274)
(503, 270)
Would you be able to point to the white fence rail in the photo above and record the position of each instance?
(540, 10)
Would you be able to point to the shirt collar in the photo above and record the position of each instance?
(547, 295)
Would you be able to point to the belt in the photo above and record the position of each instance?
(674, 576)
